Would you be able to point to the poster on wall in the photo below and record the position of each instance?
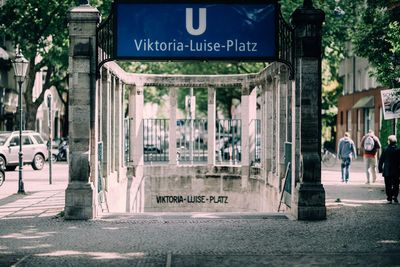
(391, 103)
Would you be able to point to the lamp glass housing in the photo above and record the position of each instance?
(20, 65)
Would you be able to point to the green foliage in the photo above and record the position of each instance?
(388, 129)
(40, 30)
(340, 18)
(378, 39)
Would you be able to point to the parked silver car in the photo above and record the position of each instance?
(33, 147)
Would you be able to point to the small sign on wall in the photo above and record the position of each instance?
(391, 103)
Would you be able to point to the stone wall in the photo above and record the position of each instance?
(198, 188)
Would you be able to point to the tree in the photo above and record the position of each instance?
(39, 28)
(377, 38)
(338, 28)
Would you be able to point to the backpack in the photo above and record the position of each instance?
(369, 143)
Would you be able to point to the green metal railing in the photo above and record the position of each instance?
(228, 141)
(156, 143)
(192, 141)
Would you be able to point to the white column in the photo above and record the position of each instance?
(245, 116)
(106, 123)
(137, 122)
(118, 146)
(283, 78)
(172, 125)
(131, 114)
(275, 123)
(268, 126)
(113, 122)
(264, 130)
(211, 119)
(253, 123)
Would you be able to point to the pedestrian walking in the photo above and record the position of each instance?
(370, 144)
(346, 152)
(389, 166)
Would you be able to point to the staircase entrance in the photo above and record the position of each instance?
(267, 159)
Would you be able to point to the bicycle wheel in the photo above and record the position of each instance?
(329, 159)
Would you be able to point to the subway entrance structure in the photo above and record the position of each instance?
(268, 160)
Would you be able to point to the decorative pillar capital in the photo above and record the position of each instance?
(307, 22)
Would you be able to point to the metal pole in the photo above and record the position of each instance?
(191, 125)
(20, 153)
(50, 139)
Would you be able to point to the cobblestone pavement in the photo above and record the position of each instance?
(360, 230)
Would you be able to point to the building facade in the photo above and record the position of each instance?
(360, 106)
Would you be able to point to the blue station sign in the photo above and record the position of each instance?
(199, 31)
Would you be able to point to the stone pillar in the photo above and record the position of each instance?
(106, 120)
(245, 116)
(80, 194)
(113, 122)
(172, 126)
(211, 121)
(310, 199)
(131, 114)
(263, 115)
(252, 124)
(274, 125)
(118, 116)
(282, 106)
(137, 106)
(268, 126)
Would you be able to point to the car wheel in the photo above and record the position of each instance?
(2, 177)
(38, 162)
(2, 163)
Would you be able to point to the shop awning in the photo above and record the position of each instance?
(365, 102)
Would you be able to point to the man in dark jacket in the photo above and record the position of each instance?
(346, 152)
(389, 166)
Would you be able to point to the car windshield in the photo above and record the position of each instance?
(3, 138)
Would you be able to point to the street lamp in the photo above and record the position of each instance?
(20, 65)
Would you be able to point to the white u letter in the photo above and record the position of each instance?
(202, 21)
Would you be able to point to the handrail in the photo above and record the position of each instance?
(137, 191)
(284, 185)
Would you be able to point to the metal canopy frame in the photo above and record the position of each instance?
(105, 42)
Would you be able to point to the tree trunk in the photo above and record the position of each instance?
(30, 117)
(31, 106)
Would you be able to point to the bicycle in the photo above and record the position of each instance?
(328, 158)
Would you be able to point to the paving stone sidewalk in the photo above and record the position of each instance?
(360, 230)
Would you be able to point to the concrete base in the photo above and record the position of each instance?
(309, 202)
(79, 201)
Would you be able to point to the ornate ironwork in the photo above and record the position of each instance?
(105, 42)
(286, 44)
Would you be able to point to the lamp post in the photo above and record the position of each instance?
(20, 65)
